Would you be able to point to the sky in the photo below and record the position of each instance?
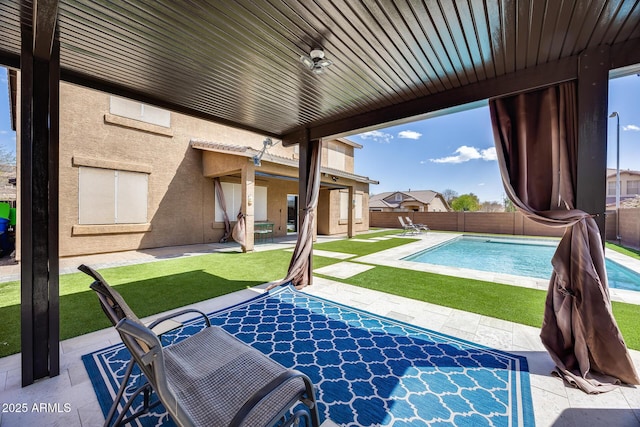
(7, 136)
(454, 151)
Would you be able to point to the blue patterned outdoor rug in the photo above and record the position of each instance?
(368, 370)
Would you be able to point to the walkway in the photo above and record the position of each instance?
(555, 404)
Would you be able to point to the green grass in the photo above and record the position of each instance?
(633, 253)
(349, 246)
(156, 287)
(149, 288)
(511, 303)
(520, 305)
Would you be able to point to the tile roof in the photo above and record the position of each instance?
(249, 152)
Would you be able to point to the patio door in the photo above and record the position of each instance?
(292, 213)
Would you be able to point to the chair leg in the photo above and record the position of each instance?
(145, 388)
(146, 407)
(116, 401)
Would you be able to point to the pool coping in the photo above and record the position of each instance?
(394, 258)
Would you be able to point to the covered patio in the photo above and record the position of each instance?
(298, 72)
(554, 403)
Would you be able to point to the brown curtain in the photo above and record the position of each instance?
(223, 205)
(536, 141)
(239, 231)
(299, 266)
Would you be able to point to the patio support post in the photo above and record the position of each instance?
(593, 92)
(351, 216)
(248, 201)
(38, 206)
(304, 169)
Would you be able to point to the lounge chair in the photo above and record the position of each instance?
(406, 228)
(208, 379)
(421, 227)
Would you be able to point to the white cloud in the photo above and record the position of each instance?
(489, 154)
(631, 127)
(481, 184)
(409, 134)
(465, 153)
(377, 136)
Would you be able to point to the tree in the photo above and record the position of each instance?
(492, 207)
(449, 195)
(508, 205)
(7, 157)
(466, 202)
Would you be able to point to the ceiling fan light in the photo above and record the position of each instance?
(316, 54)
(307, 61)
(315, 61)
(324, 62)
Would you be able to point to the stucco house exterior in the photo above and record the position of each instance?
(629, 185)
(409, 201)
(8, 184)
(135, 176)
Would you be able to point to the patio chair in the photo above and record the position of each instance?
(421, 227)
(208, 379)
(406, 228)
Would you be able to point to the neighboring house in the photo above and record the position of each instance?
(406, 201)
(8, 184)
(135, 176)
(629, 185)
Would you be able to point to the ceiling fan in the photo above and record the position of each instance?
(315, 61)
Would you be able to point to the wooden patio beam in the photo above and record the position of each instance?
(416, 109)
(45, 17)
(562, 70)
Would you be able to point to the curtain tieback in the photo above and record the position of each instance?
(566, 292)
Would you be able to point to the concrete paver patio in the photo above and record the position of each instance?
(555, 403)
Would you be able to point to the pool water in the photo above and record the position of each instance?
(520, 257)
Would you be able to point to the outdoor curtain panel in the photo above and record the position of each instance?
(223, 205)
(239, 232)
(536, 142)
(299, 266)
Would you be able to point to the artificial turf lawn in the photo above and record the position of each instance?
(159, 286)
(148, 288)
(633, 253)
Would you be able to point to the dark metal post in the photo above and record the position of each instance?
(593, 92)
(39, 128)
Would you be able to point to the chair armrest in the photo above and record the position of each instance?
(143, 334)
(286, 376)
(179, 313)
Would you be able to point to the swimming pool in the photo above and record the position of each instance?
(520, 257)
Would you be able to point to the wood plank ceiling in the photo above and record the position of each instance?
(237, 61)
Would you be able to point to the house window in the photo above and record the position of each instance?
(345, 205)
(138, 111)
(358, 213)
(336, 157)
(107, 196)
(633, 187)
(398, 197)
(611, 188)
(233, 200)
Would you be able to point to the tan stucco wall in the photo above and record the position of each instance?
(624, 177)
(348, 152)
(180, 206)
(329, 212)
(180, 197)
(437, 205)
